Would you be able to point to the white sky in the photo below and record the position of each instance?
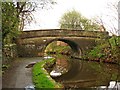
(49, 19)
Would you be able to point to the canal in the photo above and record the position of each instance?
(75, 73)
(81, 74)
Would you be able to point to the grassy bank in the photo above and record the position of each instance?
(41, 78)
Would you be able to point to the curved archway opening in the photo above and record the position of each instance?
(62, 46)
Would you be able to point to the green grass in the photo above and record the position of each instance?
(41, 78)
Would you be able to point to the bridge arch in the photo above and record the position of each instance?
(76, 51)
(34, 42)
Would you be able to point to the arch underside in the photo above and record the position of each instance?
(75, 48)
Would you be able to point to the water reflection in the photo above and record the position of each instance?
(80, 73)
(61, 67)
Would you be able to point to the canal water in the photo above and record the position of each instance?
(87, 74)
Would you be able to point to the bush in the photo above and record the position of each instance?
(107, 51)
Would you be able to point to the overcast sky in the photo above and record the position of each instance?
(49, 19)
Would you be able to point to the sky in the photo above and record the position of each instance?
(49, 18)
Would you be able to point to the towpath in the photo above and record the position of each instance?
(17, 76)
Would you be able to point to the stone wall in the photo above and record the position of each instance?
(9, 53)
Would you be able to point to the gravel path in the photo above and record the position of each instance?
(17, 76)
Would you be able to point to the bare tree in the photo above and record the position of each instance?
(111, 25)
(26, 8)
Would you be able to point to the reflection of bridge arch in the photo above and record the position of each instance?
(74, 46)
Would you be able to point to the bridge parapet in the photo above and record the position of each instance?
(63, 33)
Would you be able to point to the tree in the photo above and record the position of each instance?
(15, 15)
(113, 20)
(111, 24)
(25, 10)
(74, 20)
(10, 22)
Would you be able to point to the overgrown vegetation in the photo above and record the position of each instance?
(41, 78)
(10, 22)
(106, 51)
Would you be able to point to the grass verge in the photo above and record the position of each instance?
(41, 78)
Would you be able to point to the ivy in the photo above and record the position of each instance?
(10, 22)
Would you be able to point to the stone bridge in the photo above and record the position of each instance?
(34, 42)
